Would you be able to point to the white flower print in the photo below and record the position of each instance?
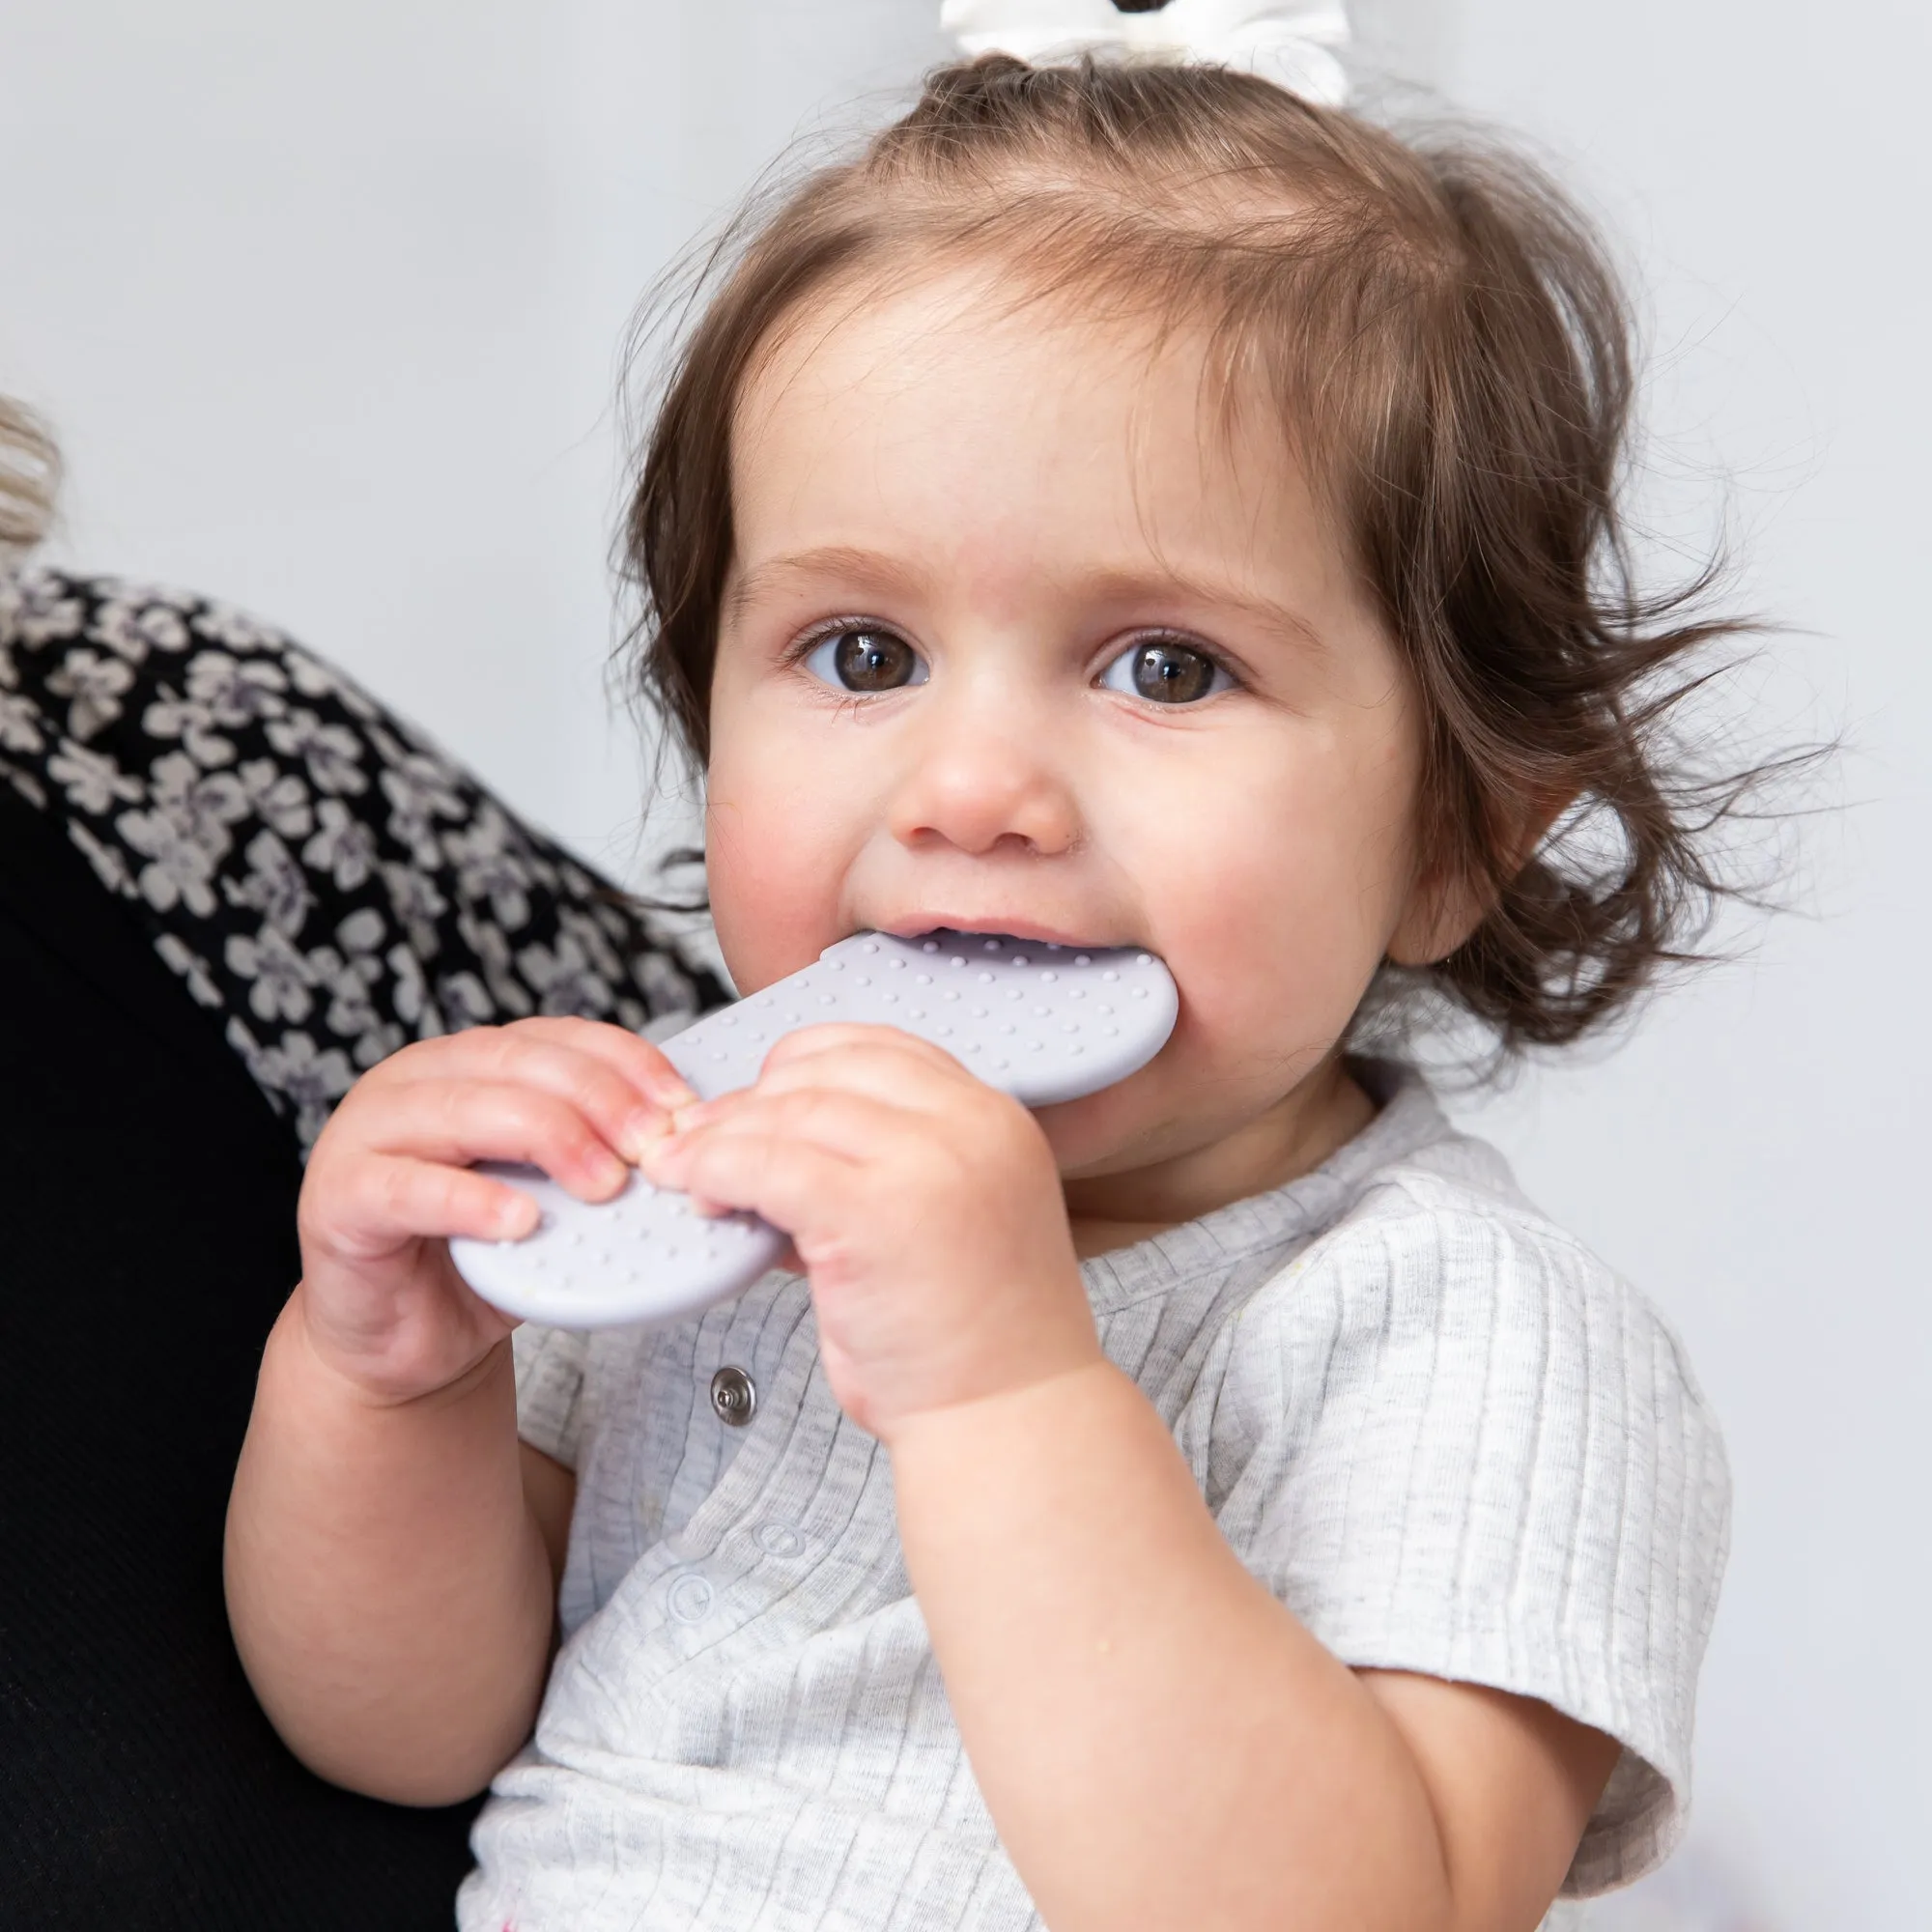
(224, 624)
(362, 932)
(353, 1012)
(201, 739)
(131, 627)
(581, 926)
(425, 768)
(281, 798)
(330, 751)
(179, 870)
(194, 970)
(349, 977)
(418, 904)
(37, 608)
(93, 685)
(350, 1011)
(564, 976)
(276, 887)
(280, 987)
(27, 785)
(412, 995)
(408, 822)
(309, 1077)
(314, 680)
(615, 923)
(378, 1042)
(93, 782)
(171, 717)
(419, 791)
(665, 988)
(343, 846)
(235, 692)
(19, 724)
(492, 952)
(464, 1000)
(206, 803)
(489, 868)
(351, 973)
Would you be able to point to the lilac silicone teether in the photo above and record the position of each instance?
(1043, 1023)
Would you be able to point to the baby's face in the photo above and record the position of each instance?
(1018, 639)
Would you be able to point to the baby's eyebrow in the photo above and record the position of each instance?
(868, 571)
(1132, 586)
(844, 561)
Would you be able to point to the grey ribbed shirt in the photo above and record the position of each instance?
(1446, 1437)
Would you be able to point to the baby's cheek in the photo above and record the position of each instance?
(773, 879)
(761, 903)
(1273, 954)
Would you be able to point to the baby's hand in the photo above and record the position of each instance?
(925, 1208)
(389, 1180)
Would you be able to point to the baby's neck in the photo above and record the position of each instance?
(1115, 1211)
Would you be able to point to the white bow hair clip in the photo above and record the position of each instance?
(1287, 41)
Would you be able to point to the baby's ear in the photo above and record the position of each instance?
(1447, 904)
(1440, 914)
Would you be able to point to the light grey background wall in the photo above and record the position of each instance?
(1758, 1155)
(324, 304)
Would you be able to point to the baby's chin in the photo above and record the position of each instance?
(1120, 1130)
(1154, 1148)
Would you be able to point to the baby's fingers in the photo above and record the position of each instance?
(634, 1059)
(460, 1121)
(866, 1054)
(385, 1202)
(850, 1123)
(620, 1084)
(759, 1162)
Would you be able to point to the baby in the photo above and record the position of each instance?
(1130, 504)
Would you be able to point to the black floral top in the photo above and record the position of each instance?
(316, 870)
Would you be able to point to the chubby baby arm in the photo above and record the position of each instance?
(1160, 1743)
(392, 1549)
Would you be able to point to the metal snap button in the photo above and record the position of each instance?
(734, 1395)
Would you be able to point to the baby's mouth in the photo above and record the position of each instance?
(1034, 932)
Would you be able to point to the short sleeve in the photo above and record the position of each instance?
(551, 1364)
(1453, 1442)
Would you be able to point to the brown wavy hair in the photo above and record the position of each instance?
(1449, 354)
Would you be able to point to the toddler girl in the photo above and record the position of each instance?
(1130, 504)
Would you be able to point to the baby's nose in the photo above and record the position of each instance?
(985, 794)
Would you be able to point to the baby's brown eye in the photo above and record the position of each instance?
(864, 660)
(1165, 672)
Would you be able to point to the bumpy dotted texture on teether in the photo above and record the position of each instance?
(1043, 1023)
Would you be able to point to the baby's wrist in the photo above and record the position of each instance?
(1024, 1404)
(382, 1379)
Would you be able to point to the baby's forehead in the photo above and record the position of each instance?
(945, 353)
(945, 413)
(942, 455)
